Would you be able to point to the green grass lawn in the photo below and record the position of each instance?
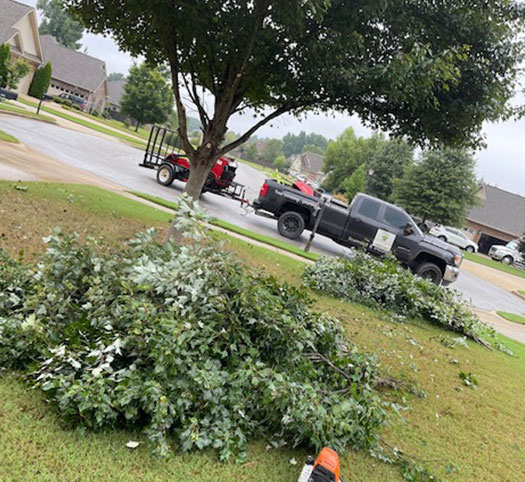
(4, 136)
(462, 434)
(86, 123)
(4, 106)
(476, 258)
(276, 243)
(512, 317)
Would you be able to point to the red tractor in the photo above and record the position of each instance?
(175, 166)
(160, 154)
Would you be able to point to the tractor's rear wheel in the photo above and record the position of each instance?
(165, 175)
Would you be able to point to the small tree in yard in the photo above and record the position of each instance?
(41, 82)
(147, 96)
(441, 187)
(11, 72)
(356, 183)
(433, 71)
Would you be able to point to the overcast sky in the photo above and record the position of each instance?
(501, 163)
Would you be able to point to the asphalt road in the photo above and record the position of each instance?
(119, 164)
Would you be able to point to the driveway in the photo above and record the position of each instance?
(119, 164)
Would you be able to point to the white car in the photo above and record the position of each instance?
(508, 254)
(454, 236)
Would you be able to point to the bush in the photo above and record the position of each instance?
(183, 341)
(384, 284)
(41, 81)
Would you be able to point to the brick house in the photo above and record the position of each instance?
(499, 217)
(19, 28)
(76, 73)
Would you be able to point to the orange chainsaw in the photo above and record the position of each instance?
(324, 469)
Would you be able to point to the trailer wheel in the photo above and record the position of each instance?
(290, 225)
(210, 182)
(430, 272)
(165, 175)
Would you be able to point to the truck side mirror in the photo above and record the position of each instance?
(408, 230)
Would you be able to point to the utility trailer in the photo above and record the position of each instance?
(164, 154)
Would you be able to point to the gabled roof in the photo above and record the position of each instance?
(499, 209)
(10, 13)
(116, 91)
(310, 162)
(74, 68)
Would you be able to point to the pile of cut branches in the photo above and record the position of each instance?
(184, 342)
(384, 284)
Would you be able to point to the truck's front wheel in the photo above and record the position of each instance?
(291, 225)
(430, 271)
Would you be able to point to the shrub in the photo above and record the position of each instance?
(41, 81)
(384, 284)
(183, 341)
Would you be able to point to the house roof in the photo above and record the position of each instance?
(12, 12)
(74, 68)
(310, 162)
(116, 91)
(499, 209)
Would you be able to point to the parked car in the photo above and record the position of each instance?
(507, 254)
(454, 236)
(7, 94)
(369, 223)
(75, 99)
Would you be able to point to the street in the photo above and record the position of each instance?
(119, 164)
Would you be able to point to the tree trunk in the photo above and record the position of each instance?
(200, 167)
(137, 125)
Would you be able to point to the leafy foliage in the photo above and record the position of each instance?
(147, 96)
(271, 149)
(303, 142)
(356, 183)
(59, 23)
(11, 72)
(432, 71)
(384, 284)
(184, 342)
(441, 187)
(387, 164)
(346, 154)
(41, 81)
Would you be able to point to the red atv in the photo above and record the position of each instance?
(173, 166)
(176, 166)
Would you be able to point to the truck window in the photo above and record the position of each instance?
(369, 208)
(395, 218)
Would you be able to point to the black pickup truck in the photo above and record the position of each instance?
(369, 223)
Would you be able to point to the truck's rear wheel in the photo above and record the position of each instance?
(291, 225)
(165, 175)
(430, 272)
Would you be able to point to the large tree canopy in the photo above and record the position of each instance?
(431, 70)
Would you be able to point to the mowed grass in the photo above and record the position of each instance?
(512, 317)
(476, 258)
(276, 243)
(13, 108)
(4, 136)
(86, 123)
(461, 433)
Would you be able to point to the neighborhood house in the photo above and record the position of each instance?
(309, 165)
(499, 217)
(115, 93)
(76, 73)
(19, 28)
